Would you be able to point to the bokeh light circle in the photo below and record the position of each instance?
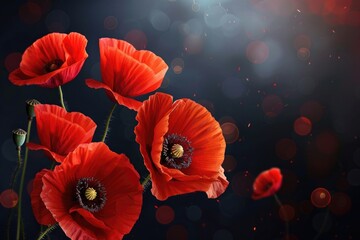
(303, 53)
(57, 21)
(110, 22)
(285, 149)
(213, 15)
(177, 65)
(9, 198)
(320, 197)
(230, 132)
(30, 12)
(159, 20)
(230, 25)
(257, 52)
(327, 142)
(12, 61)
(272, 105)
(302, 41)
(229, 163)
(164, 214)
(286, 212)
(137, 38)
(194, 213)
(340, 203)
(177, 232)
(302, 126)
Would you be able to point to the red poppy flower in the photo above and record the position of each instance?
(51, 61)
(59, 131)
(94, 194)
(182, 145)
(127, 73)
(267, 183)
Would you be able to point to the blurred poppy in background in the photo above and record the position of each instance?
(267, 183)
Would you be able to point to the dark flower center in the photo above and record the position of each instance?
(90, 194)
(177, 152)
(53, 65)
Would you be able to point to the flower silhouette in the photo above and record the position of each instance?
(59, 131)
(127, 73)
(267, 183)
(182, 146)
(51, 61)
(94, 194)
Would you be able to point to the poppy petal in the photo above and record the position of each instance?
(41, 214)
(267, 183)
(54, 156)
(121, 100)
(154, 113)
(41, 52)
(195, 123)
(218, 187)
(74, 45)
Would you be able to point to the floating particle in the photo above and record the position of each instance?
(302, 126)
(9, 198)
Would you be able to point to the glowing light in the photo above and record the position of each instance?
(177, 65)
(257, 52)
(213, 15)
(286, 212)
(193, 44)
(302, 126)
(12, 61)
(30, 12)
(230, 132)
(159, 20)
(57, 21)
(302, 41)
(137, 38)
(303, 53)
(285, 149)
(320, 197)
(177, 232)
(312, 110)
(340, 203)
(164, 214)
(9, 198)
(229, 163)
(110, 22)
(272, 105)
(327, 143)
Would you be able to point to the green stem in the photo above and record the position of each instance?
(49, 229)
(277, 199)
(322, 225)
(108, 123)
(18, 227)
(18, 166)
(61, 98)
(146, 180)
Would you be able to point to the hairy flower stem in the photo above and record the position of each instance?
(48, 230)
(18, 227)
(284, 214)
(108, 123)
(18, 166)
(61, 98)
(146, 182)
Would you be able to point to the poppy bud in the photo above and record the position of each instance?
(19, 137)
(30, 104)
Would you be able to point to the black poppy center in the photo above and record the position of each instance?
(53, 65)
(90, 194)
(177, 152)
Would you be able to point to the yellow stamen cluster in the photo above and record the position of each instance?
(177, 151)
(90, 194)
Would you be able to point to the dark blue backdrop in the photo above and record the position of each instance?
(308, 61)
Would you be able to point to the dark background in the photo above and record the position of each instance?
(307, 65)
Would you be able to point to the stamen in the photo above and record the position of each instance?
(90, 194)
(177, 151)
(53, 65)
